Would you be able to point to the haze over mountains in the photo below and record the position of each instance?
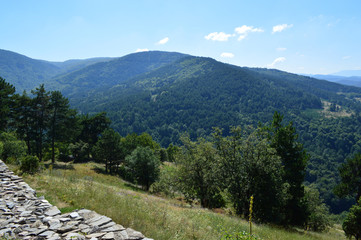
(166, 94)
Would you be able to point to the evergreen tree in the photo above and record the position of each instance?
(294, 160)
(7, 92)
(108, 150)
(62, 120)
(352, 223)
(41, 110)
(350, 173)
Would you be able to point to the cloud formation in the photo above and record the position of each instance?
(142, 50)
(227, 55)
(244, 30)
(218, 36)
(281, 27)
(163, 41)
(277, 60)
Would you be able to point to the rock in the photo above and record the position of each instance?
(24, 216)
(53, 211)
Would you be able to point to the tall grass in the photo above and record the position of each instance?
(158, 218)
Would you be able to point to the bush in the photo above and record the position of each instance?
(12, 148)
(352, 223)
(318, 214)
(143, 165)
(30, 164)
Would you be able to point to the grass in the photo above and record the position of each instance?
(80, 186)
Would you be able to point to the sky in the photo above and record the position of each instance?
(300, 36)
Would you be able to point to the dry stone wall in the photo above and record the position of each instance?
(25, 216)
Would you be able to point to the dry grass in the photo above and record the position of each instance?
(158, 218)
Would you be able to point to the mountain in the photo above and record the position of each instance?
(193, 94)
(348, 73)
(104, 75)
(167, 94)
(26, 73)
(350, 81)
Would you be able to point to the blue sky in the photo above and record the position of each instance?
(301, 36)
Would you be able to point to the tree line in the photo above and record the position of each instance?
(267, 163)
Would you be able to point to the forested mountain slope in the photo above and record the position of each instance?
(26, 73)
(194, 94)
(104, 75)
(166, 94)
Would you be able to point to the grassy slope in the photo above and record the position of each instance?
(79, 186)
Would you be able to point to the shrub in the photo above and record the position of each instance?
(30, 164)
(352, 223)
(143, 166)
(12, 148)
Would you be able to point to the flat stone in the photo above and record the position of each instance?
(74, 215)
(114, 228)
(26, 214)
(53, 211)
(95, 235)
(109, 236)
(75, 236)
(134, 234)
(101, 221)
(47, 234)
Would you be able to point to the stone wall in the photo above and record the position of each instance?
(25, 216)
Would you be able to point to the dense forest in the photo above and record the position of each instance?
(167, 94)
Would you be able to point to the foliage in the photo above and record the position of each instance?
(12, 149)
(350, 173)
(79, 150)
(318, 213)
(352, 223)
(198, 171)
(29, 164)
(108, 150)
(167, 181)
(143, 166)
(251, 167)
(6, 96)
(294, 160)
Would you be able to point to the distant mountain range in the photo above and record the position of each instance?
(166, 94)
(345, 80)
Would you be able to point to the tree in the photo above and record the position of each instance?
(352, 223)
(6, 103)
(92, 127)
(62, 120)
(108, 150)
(198, 172)
(251, 167)
(132, 141)
(143, 166)
(24, 120)
(350, 173)
(12, 149)
(294, 160)
(40, 108)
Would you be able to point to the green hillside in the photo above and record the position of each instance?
(23, 72)
(195, 94)
(104, 75)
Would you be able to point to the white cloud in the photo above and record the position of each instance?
(163, 41)
(142, 50)
(281, 49)
(218, 36)
(244, 30)
(227, 55)
(281, 27)
(277, 60)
